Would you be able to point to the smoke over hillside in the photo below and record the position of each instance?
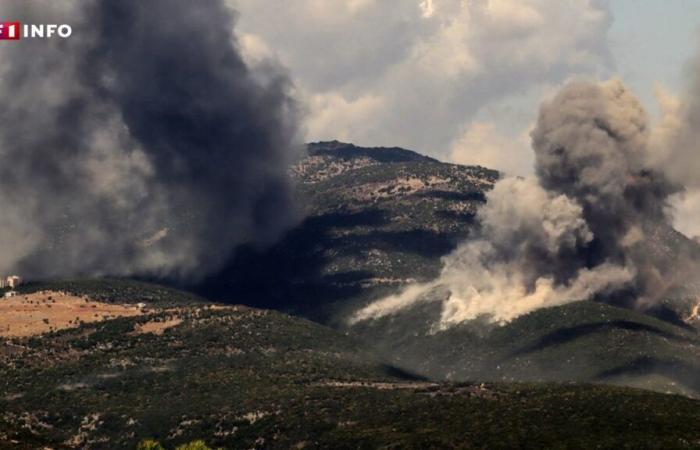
(571, 233)
(143, 144)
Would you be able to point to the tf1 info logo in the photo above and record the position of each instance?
(13, 31)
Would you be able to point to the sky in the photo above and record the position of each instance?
(463, 80)
(652, 42)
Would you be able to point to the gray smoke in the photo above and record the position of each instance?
(591, 144)
(573, 233)
(142, 144)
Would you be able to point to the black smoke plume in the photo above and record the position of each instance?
(142, 144)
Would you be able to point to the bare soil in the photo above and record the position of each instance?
(41, 312)
(156, 327)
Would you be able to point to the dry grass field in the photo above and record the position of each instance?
(41, 312)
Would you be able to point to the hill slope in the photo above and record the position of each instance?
(584, 342)
(376, 218)
(381, 218)
(245, 378)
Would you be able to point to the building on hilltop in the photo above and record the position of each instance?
(12, 282)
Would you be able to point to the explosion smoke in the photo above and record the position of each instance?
(143, 144)
(570, 234)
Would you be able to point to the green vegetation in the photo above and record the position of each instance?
(377, 218)
(584, 341)
(114, 290)
(236, 377)
(150, 444)
(194, 445)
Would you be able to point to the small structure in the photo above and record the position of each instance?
(13, 281)
(9, 294)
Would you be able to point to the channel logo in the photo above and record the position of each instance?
(12, 31)
(9, 30)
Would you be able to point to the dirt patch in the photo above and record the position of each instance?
(420, 387)
(381, 385)
(41, 312)
(157, 328)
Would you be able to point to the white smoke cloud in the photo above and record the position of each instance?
(493, 277)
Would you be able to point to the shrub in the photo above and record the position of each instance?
(194, 445)
(149, 444)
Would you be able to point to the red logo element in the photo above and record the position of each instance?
(9, 30)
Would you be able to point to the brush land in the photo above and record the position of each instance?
(239, 377)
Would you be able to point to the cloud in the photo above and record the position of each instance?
(432, 65)
(675, 145)
(334, 117)
(686, 206)
(482, 144)
(677, 137)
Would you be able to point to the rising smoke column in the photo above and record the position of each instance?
(569, 234)
(143, 144)
(591, 144)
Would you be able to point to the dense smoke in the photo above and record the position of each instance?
(142, 144)
(570, 234)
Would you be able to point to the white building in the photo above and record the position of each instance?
(14, 281)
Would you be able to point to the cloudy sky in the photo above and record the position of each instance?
(462, 80)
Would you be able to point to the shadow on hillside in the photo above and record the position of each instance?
(565, 335)
(456, 196)
(456, 216)
(678, 371)
(424, 243)
(292, 275)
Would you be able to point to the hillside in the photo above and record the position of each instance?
(381, 218)
(376, 219)
(585, 342)
(240, 377)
